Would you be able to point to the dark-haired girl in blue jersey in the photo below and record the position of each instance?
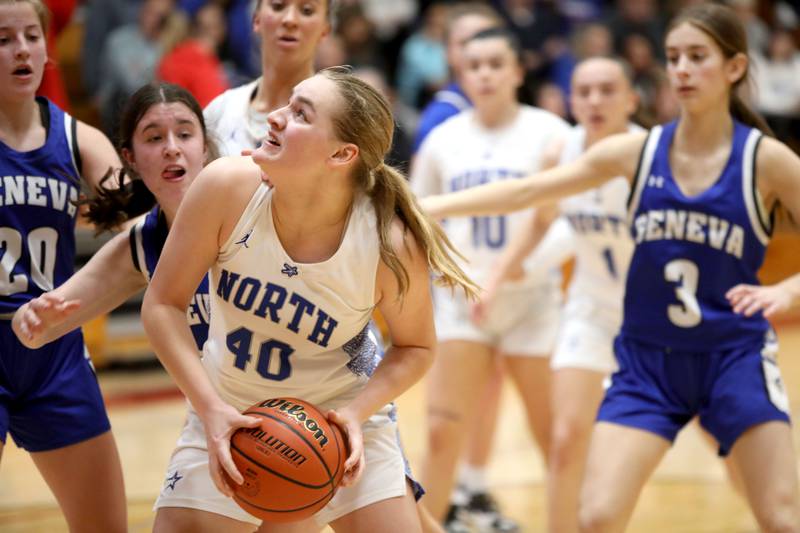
(50, 401)
(704, 192)
(164, 144)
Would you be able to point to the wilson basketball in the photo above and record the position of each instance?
(291, 463)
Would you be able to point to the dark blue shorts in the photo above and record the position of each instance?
(660, 390)
(49, 398)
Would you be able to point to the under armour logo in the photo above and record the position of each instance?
(172, 480)
(243, 240)
(289, 270)
(656, 181)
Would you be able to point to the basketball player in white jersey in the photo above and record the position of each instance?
(295, 273)
(497, 140)
(602, 101)
(289, 32)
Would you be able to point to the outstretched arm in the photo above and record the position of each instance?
(615, 156)
(410, 321)
(106, 281)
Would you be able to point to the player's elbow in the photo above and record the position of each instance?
(151, 304)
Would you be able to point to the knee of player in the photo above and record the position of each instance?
(782, 515)
(568, 435)
(443, 429)
(596, 515)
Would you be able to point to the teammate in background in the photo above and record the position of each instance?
(602, 101)
(334, 217)
(164, 146)
(497, 140)
(470, 501)
(289, 31)
(705, 189)
(50, 402)
(464, 20)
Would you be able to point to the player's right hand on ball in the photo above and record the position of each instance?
(220, 423)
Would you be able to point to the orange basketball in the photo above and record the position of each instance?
(291, 463)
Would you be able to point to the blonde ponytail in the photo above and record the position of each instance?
(392, 197)
(367, 122)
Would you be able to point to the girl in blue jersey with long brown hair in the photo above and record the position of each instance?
(164, 143)
(704, 192)
(50, 401)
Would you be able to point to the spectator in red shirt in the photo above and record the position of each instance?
(194, 63)
(52, 85)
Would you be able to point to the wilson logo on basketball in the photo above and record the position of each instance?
(298, 412)
(276, 444)
(288, 475)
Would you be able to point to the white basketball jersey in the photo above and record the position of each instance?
(461, 154)
(232, 123)
(603, 245)
(283, 328)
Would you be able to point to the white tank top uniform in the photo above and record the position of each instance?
(280, 328)
(602, 247)
(461, 154)
(234, 124)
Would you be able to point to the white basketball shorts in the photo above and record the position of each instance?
(188, 482)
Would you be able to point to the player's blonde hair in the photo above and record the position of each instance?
(38, 6)
(365, 120)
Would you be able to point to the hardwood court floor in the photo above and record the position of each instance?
(688, 494)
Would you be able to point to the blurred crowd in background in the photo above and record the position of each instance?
(112, 47)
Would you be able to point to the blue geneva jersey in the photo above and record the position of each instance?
(38, 194)
(690, 250)
(147, 239)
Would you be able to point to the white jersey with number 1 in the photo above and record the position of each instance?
(602, 249)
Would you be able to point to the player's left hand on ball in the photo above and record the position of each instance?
(350, 426)
(749, 299)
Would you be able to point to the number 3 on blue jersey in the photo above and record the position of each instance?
(687, 314)
(277, 368)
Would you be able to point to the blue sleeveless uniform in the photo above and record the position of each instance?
(49, 398)
(147, 239)
(682, 350)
